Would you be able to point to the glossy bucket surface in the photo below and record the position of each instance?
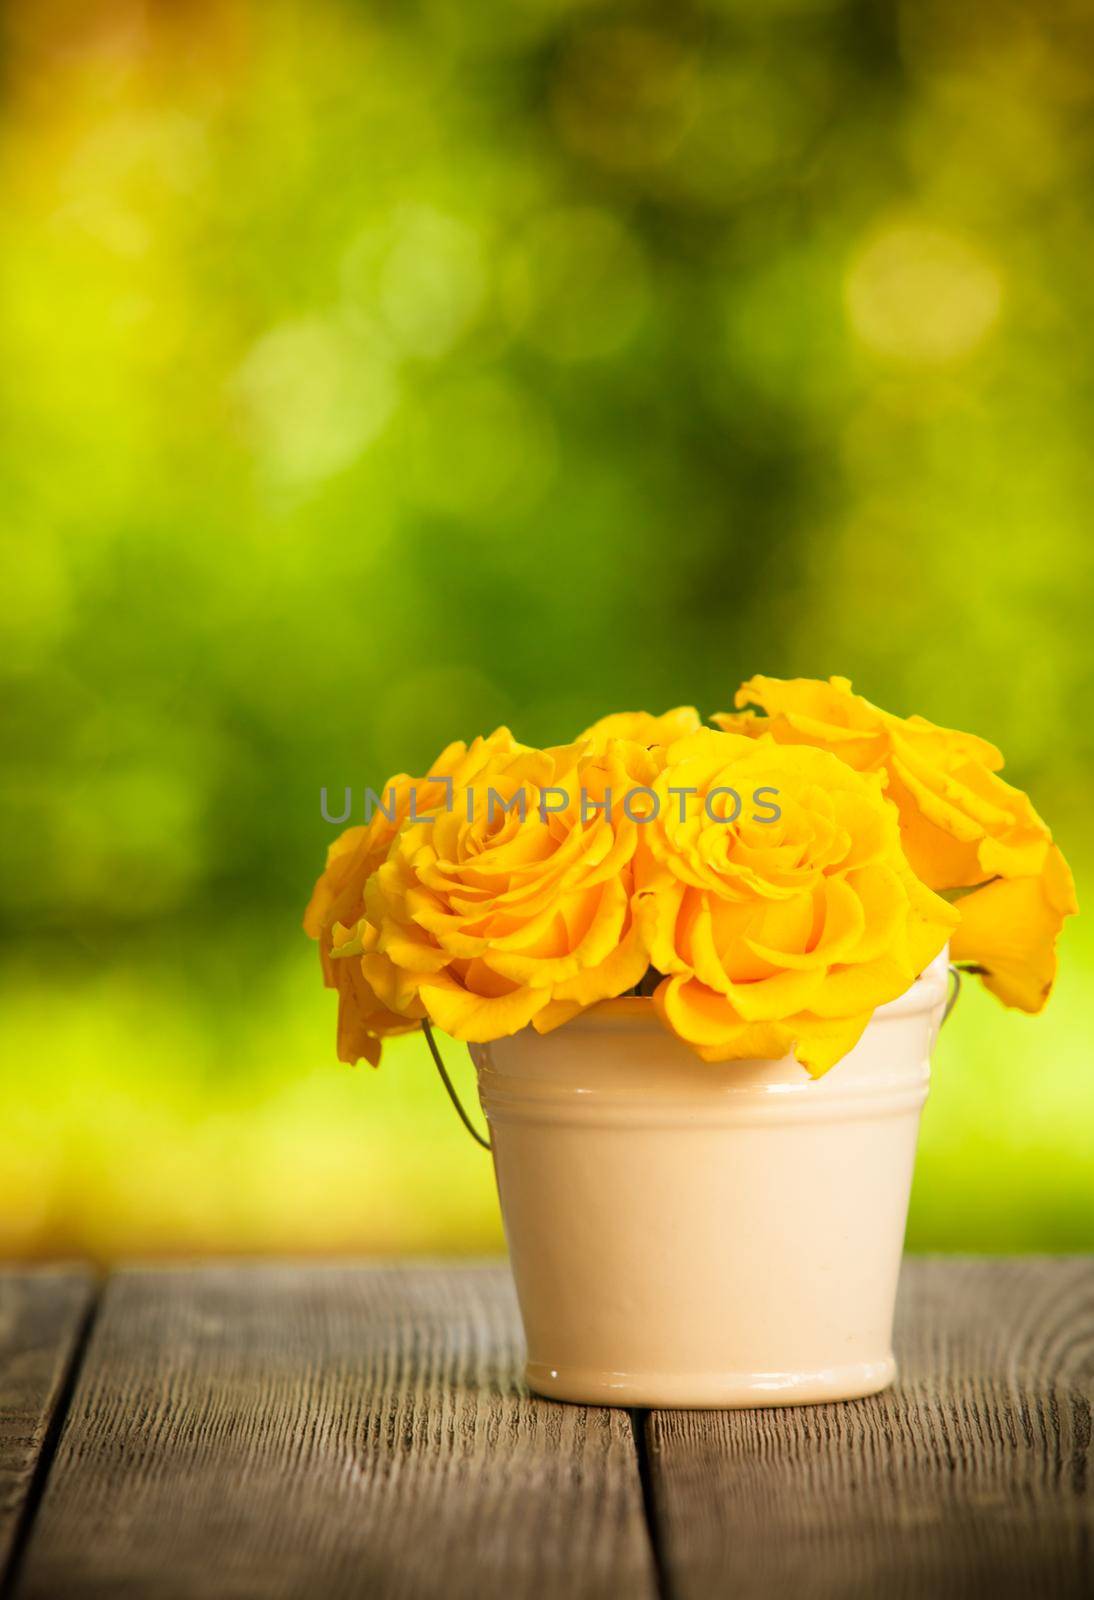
(687, 1234)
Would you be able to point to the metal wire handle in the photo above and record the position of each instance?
(955, 990)
(447, 1081)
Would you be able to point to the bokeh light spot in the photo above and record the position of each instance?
(316, 394)
(919, 294)
(422, 273)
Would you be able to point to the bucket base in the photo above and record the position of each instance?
(713, 1391)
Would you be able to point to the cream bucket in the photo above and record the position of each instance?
(684, 1234)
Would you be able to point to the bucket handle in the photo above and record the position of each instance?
(447, 1081)
(955, 990)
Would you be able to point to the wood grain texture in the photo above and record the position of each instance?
(41, 1315)
(972, 1476)
(327, 1432)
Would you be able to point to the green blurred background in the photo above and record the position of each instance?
(380, 372)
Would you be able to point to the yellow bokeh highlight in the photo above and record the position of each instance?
(919, 294)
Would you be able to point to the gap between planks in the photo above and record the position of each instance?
(20, 1534)
(349, 1431)
(972, 1475)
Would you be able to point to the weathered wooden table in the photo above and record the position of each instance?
(285, 1430)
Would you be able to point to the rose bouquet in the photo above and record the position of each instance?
(657, 940)
(768, 882)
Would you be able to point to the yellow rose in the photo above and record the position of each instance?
(337, 903)
(963, 827)
(332, 912)
(1009, 928)
(778, 934)
(488, 919)
(642, 727)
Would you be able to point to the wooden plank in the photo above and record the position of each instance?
(42, 1314)
(971, 1476)
(320, 1431)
